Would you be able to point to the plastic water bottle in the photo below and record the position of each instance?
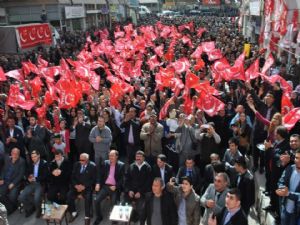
(120, 211)
(126, 211)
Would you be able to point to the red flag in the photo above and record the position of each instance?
(83, 73)
(200, 31)
(186, 40)
(199, 65)
(285, 86)
(169, 56)
(42, 62)
(253, 71)
(209, 104)
(36, 86)
(205, 86)
(2, 75)
(29, 67)
(95, 80)
(191, 80)
(236, 72)
(159, 50)
(164, 110)
(153, 62)
(197, 53)
(181, 65)
(41, 111)
(119, 34)
(208, 46)
(177, 85)
(269, 62)
(295, 19)
(17, 99)
(290, 119)
(188, 105)
(218, 69)
(214, 54)
(16, 74)
(286, 104)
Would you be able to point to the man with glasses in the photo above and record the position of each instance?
(82, 182)
(214, 197)
(232, 213)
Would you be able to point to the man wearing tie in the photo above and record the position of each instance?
(190, 170)
(232, 214)
(37, 176)
(82, 182)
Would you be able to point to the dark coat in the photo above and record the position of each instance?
(103, 173)
(136, 130)
(18, 135)
(18, 170)
(237, 219)
(168, 209)
(87, 178)
(247, 189)
(43, 171)
(64, 178)
(168, 172)
(196, 178)
(138, 180)
(37, 141)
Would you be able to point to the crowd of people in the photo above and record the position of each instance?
(186, 168)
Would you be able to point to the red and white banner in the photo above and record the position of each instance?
(211, 2)
(32, 35)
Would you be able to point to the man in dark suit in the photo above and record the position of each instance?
(14, 137)
(11, 177)
(162, 169)
(35, 138)
(60, 170)
(232, 214)
(83, 180)
(190, 170)
(245, 183)
(37, 176)
(110, 181)
(159, 207)
(132, 134)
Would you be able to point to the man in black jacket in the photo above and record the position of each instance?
(160, 208)
(110, 180)
(190, 170)
(245, 183)
(138, 181)
(14, 137)
(11, 177)
(232, 214)
(83, 180)
(60, 171)
(132, 134)
(36, 138)
(37, 177)
(162, 169)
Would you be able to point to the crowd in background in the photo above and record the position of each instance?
(69, 151)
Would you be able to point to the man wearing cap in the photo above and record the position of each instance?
(151, 134)
(60, 171)
(187, 201)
